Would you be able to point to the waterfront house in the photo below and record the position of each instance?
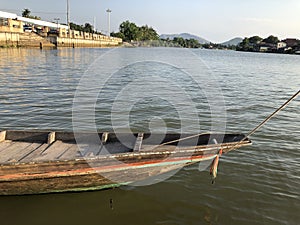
(267, 47)
(291, 42)
(10, 22)
(281, 45)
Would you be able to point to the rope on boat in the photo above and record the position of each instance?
(214, 165)
(182, 139)
(177, 140)
(273, 114)
(265, 121)
(248, 135)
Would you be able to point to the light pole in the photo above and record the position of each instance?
(94, 24)
(68, 16)
(108, 13)
(56, 19)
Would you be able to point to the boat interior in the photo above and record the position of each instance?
(36, 146)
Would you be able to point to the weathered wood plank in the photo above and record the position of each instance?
(2, 136)
(67, 147)
(53, 151)
(71, 153)
(4, 145)
(91, 150)
(138, 143)
(114, 148)
(31, 157)
(22, 152)
(12, 150)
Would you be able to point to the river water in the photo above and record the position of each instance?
(162, 90)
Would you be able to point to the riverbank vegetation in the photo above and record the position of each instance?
(129, 32)
(270, 44)
(147, 36)
(88, 28)
(27, 13)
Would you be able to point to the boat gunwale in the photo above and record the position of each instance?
(177, 150)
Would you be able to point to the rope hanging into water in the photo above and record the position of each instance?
(214, 166)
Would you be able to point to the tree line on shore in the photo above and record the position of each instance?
(27, 13)
(269, 44)
(147, 36)
(139, 35)
(88, 28)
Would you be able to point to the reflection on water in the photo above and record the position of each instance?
(37, 87)
(256, 185)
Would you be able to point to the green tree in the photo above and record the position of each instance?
(118, 35)
(26, 13)
(244, 45)
(180, 41)
(88, 28)
(271, 40)
(255, 40)
(186, 43)
(192, 43)
(146, 33)
(129, 30)
(249, 44)
(74, 26)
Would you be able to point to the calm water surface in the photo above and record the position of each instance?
(256, 185)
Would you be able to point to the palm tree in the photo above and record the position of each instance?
(26, 13)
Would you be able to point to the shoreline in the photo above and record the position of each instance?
(36, 40)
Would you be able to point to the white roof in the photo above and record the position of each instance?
(8, 15)
(32, 21)
(41, 22)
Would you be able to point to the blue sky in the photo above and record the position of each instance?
(215, 20)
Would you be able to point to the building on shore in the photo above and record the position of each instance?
(15, 29)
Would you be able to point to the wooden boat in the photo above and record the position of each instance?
(34, 162)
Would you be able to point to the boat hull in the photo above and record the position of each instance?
(84, 175)
(28, 165)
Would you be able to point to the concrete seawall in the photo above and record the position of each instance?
(75, 43)
(11, 39)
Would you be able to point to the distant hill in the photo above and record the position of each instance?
(185, 36)
(234, 41)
